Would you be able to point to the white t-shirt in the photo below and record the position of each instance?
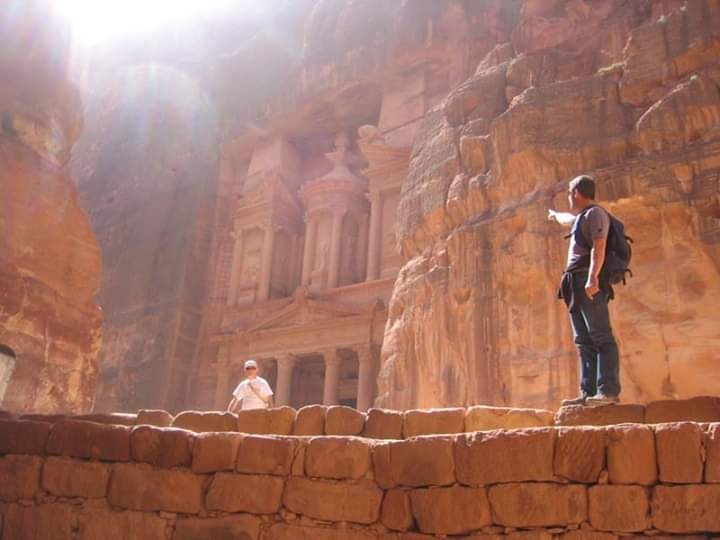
(249, 399)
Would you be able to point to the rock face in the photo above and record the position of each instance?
(49, 258)
(625, 91)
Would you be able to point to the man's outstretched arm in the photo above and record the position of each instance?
(563, 218)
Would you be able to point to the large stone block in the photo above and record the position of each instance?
(484, 418)
(340, 420)
(278, 421)
(631, 455)
(162, 447)
(214, 452)
(452, 510)
(686, 509)
(679, 452)
(19, 477)
(240, 527)
(578, 415)
(538, 504)
(697, 409)
(255, 494)
(396, 512)
(619, 508)
(490, 457)
(23, 437)
(141, 487)
(383, 424)
(259, 454)
(337, 457)
(202, 422)
(154, 417)
(107, 524)
(418, 462)
(68, 477)
(586, 534)
(712, 454)
(433, 422)
(580, 453)
(42, 522)
(310, 421)
(121, 419)
(88, 440)
(282, 531)
(357, 502)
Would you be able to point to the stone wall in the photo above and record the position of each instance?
(86, 480)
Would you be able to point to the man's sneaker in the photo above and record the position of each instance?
(580, 400)
(600, 399)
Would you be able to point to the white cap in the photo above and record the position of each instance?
(250, 363)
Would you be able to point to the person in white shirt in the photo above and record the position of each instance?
(252, 393)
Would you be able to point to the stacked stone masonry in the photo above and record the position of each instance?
(82, 479)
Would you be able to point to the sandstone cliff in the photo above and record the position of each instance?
(626, 91)
(49, 258)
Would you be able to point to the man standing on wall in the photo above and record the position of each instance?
(252, 393)
(587, 296)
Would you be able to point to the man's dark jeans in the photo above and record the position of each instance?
(599, 366)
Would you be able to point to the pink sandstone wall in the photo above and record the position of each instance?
(85, 480)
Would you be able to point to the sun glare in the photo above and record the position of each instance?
(94, 21)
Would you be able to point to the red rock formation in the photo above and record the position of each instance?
(49, 258)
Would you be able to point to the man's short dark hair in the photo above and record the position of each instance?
(584, 185)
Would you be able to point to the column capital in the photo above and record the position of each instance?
(285, 359)
(374, 196)
(364, 352)
(329, 355)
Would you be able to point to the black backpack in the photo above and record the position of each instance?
(618, 250)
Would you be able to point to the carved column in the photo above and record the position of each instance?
(285, 367)
(223, 385)
(308, 254)
(373, 262)
(366, 378)
(332, 377)
(335, 238)
(237, 237)
(363, 248)
(266, 269)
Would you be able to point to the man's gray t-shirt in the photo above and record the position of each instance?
(595, 224)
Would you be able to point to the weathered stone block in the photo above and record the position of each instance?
(619, 508)
(259, 454)
(584, 534)
(483, 418)
(331, 501)
(310, 421)
(68, 477)
(433, 422)
(112, 525)
(712, 454)
(140, 487)
(241, 527)
(162, 447)
(48, 418)
(23, 437)
(45, 521)
(679, 452)
(213, 452)
(337, 457)
(578, 415)
(282, 531)
(278, 421)
(340, 420)
(88, 440)
(121, 419)
(202, 422)
(686, 509)
(418, 462)
(396, 512)
(580, 453)
(452, 510)
(383, 424)
(19, 477)
(631, 455)
(538, 505)
(252, 493)
(154, 417)
(491, 457)
(697, 409)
